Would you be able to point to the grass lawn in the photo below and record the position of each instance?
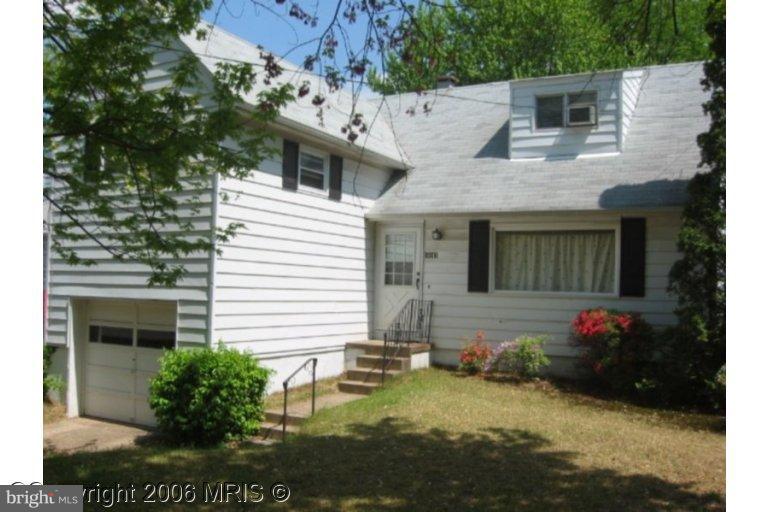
(434, 440)
(303, 392)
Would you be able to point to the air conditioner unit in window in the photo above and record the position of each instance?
(581, 115)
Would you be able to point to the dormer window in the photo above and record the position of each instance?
(549, 111)
(560, 110)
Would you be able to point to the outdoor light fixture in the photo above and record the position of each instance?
(437, 234)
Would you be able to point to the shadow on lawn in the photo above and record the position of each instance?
(388, 466)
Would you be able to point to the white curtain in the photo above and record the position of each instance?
(572, 261)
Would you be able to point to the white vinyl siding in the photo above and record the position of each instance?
(110, 279)
(297, 280)
(528, 138)
(630, 94)
(457, 314)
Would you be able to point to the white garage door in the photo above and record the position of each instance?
(125, 342)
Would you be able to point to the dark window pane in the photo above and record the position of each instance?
(579, 115)
(589, 97)
(549, 112)
(311, 179)
(312, 162)
(117, 335)
(93, 333)
(156, 339)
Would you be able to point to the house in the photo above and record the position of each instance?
(506, 206)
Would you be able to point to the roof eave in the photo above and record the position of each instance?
(385, 215)
(357, 151)
(288, 127)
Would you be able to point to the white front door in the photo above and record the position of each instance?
(398, 272)
(122, 353)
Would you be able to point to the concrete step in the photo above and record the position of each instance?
(360, 388)
(369, 374)
(276, 416)
(275, 431)
(395, 363)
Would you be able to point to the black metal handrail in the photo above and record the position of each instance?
(312, 360)
(413, 324)
(385, 360)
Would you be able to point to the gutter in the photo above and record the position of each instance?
(354, 151)
(385, 216)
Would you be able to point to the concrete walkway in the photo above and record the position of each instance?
(304, 407)
(90, 434)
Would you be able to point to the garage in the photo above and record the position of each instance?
(125, 342)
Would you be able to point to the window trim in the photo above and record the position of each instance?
(564, 111)
(613, 225)
(325, 157)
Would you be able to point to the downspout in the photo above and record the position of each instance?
(212, 262)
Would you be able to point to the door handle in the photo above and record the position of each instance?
(418, 281)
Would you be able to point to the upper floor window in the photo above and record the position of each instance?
(573, 109)
(312, 171)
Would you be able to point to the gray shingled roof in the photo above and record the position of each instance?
(301, 114)
(459, 154)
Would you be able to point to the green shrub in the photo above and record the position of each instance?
(206, 396)
(679, 376)
(523, 357)
(50, 382)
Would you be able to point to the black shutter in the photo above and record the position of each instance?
(632, 279)
(479, 246)
(337, 166)
(290, 164)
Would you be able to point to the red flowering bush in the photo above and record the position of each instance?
(615, 346)
(474, 354)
